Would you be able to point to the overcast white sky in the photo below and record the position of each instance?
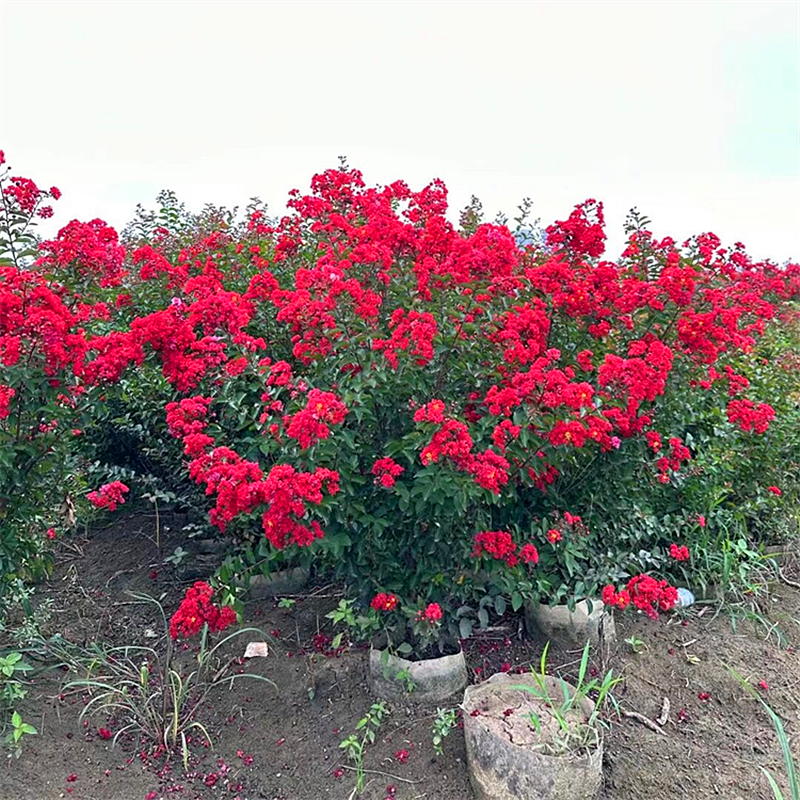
(688, 110)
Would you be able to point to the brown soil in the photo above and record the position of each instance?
(284, 744)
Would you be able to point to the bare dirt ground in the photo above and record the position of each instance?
(284, 744)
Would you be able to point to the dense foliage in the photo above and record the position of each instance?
(463, 415)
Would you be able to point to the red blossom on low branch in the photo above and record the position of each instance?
(196, 610)
(109, 496)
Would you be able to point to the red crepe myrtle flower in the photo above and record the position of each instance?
(385, 471)
(529, 554)
(554, 536)
(384, 602)
(749, 416)
(763, 685)
(311, 425)
(433, 612)
(402, 756)
(6, 395)
(701, 520)
(679, 553)
(51, 533)
(196, 609)
(653, 440)
(104, 733)
(497, 544)
(109, 496)
(619, 600)
(647, 594)
(775, 490)
(431, 412)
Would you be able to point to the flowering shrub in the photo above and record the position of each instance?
(50, 303)
(171, 687)
(455, 417)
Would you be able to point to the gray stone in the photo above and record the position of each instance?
(572, 628)
(197, 567)
(505, 755)
(282, 582)
(434, 679)
(212, 546)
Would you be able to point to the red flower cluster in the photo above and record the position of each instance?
(433, 613)
(497, 544)
(500, 545)
(554, 536)
(384, 602)
(678, 454)
(287, 494)
(188, 416)
(490, 471)
(240, 485)
(91, 249)
(431, 412)
(749, 416)
(504, 433)
(529, 554)
(386, 470)
(579, 234)
(679, 553)
(611, 597)
(452, 441)
(646, 593)
(6, 396)
(109, 496)
(408, 327)
(196, 610)
(310, 425)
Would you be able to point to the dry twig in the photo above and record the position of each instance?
(641, 718)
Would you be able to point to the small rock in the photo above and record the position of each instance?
(209, 546)
(685, 598)
(256, 650)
